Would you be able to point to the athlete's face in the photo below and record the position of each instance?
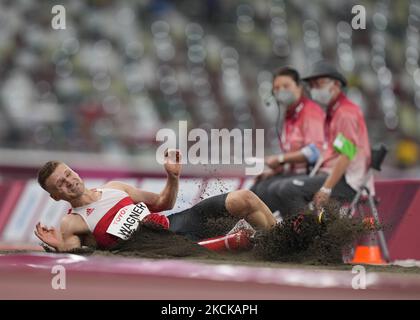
(64, 184)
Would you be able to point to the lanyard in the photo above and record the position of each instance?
(327, 124)
(287, 128)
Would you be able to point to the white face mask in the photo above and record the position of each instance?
(323, 95)
(285, 97)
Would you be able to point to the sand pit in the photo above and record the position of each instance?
(298, 239)
(155, 259)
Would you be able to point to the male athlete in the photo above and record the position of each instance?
(104, 216)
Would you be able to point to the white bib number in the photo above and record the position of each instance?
(127, 220)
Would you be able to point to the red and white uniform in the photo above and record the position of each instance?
(303, 125)
(114, 216)
(346, 118)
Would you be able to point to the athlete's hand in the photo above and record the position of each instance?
(157, 219)
(50, 236)
(173, 162)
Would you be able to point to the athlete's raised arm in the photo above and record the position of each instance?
(166, 199)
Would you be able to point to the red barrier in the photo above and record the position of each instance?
(399, 210)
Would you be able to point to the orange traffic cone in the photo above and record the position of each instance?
(232, 242)
(367, 251)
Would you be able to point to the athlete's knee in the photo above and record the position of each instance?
(245, 197)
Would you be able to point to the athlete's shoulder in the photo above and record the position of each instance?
(68, 217)
(68, 220)
(73, 224)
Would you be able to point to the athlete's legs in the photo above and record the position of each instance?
(244, 204)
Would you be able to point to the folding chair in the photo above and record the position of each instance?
(364, 196)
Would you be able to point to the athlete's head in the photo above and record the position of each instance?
(287, 88)
(60, 181)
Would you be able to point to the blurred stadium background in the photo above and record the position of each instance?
(121, 70)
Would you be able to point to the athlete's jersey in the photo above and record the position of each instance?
(114, 216)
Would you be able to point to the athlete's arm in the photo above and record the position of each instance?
(64, 239)
(156, 202)
(166, 199)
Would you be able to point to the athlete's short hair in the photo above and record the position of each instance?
(46, 170)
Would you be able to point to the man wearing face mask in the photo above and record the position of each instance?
(346, 159)
(301, 137)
